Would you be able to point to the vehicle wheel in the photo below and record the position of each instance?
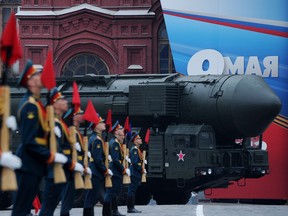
(5, 200)
(143, 196)
(175, 198)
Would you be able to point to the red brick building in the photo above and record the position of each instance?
(95, 36)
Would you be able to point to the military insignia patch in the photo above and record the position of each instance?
(98, 146)
(116, 148)
(30, 115)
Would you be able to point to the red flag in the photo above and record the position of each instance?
(109, 120)
(90, 113)
(36, 204)
(127, 125)
(76, 97)
(147, 136)
(10, 42)
(48, 74)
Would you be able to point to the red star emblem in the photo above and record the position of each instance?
(180, 156)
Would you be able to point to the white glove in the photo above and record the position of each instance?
(57, 131)
(127, 159)
(89, 171)
(60, 158)
(79, 168)
(110, 172)
(127, 170)
(145, 161)
(110, 158)
(89, 154)
(78, 147)
(7, 159)
(11, 123)
(145, 171)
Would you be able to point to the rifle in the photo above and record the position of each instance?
(59, 175)
(108, 182)
(147, 137)
(87, 179)
(126, 178)
(79, 183)
(8, 177)
(13, 52)
(143, 179)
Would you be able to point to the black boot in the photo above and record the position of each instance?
(106, 211)
(88, 212)
(131, 204)
(115, 211)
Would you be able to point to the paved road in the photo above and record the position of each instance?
(205, 209)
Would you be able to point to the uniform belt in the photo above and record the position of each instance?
(80, 157)
(41, 141)
(66, 151)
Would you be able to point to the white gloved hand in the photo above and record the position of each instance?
(144, 171)
(110, 158)
(89, 154)
(7, 159)
(128, 172)
(78, 147)
(60, 158)
(110, 172)
(11, 122)
(89, 171)
(57, 131)
(127, 159)
(145, 161)
(79, 168)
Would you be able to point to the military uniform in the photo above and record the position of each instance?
(33, 151)
(117, 178)
(99, 170)
(69, 191)
(136, 174)
(52, 191)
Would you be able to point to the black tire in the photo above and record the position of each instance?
(143, 195)
(172, 198)
(5, 200)
(80, 196)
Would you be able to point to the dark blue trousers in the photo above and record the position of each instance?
(115, 191)
(135, 182)
(28, 187)
(68, 194)
(51, 197)
(92, 195)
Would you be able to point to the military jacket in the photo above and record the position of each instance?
(136, 162)
(96, 147)
(64, 147)
(79, 139)
(115, 150)
(33, 150)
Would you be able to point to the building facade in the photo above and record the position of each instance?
(95, 36)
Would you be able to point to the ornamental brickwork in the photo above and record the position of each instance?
(123, 33)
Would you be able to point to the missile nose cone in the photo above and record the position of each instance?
(254, 105)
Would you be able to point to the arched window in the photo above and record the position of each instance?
(166, 64)
(85, 63)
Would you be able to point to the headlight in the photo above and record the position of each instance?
(209, 171)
